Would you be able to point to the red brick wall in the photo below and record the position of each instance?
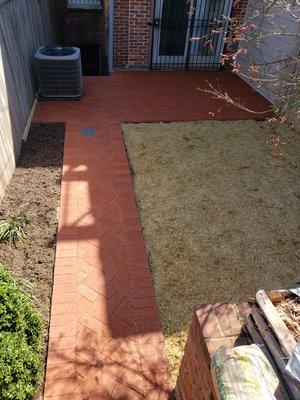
(132, 34)
(121, 33)
(83, 26)
(239, 10)
(79, 27)
(237, 17)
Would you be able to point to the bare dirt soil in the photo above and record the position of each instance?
(35, 190)
(219, 218)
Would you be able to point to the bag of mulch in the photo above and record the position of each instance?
(244, 373)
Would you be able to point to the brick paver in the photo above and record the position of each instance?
(105, 339)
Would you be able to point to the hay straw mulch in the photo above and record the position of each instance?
(219, 218)
(289, 310)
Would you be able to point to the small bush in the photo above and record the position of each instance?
(20, 342)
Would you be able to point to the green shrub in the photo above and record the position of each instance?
(20, 342)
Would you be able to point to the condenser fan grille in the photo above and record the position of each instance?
(57, 51)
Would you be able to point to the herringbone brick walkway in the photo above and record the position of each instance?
(105, 339)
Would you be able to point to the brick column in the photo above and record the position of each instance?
(132, 34)
(121, 33)
(212, 326)
(238, 14)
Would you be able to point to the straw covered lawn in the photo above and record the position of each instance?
(219, 218)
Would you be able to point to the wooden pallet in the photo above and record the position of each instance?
(266, 328)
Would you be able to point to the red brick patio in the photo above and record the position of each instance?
(105, 334)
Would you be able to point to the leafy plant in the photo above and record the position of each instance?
(20, 342)
(13, 228)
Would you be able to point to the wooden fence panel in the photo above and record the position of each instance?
(24, 26)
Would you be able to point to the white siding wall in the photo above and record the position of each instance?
(273, 48)
(24, 26)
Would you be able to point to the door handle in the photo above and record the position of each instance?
(154, 23)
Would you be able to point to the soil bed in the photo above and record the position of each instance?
(219, 219)
(35, 190)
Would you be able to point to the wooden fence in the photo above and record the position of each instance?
(24, 26)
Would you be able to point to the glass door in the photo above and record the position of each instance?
(189, 33)
(208, 28)
(170, 33)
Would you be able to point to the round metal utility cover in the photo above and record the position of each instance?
(88, 132)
